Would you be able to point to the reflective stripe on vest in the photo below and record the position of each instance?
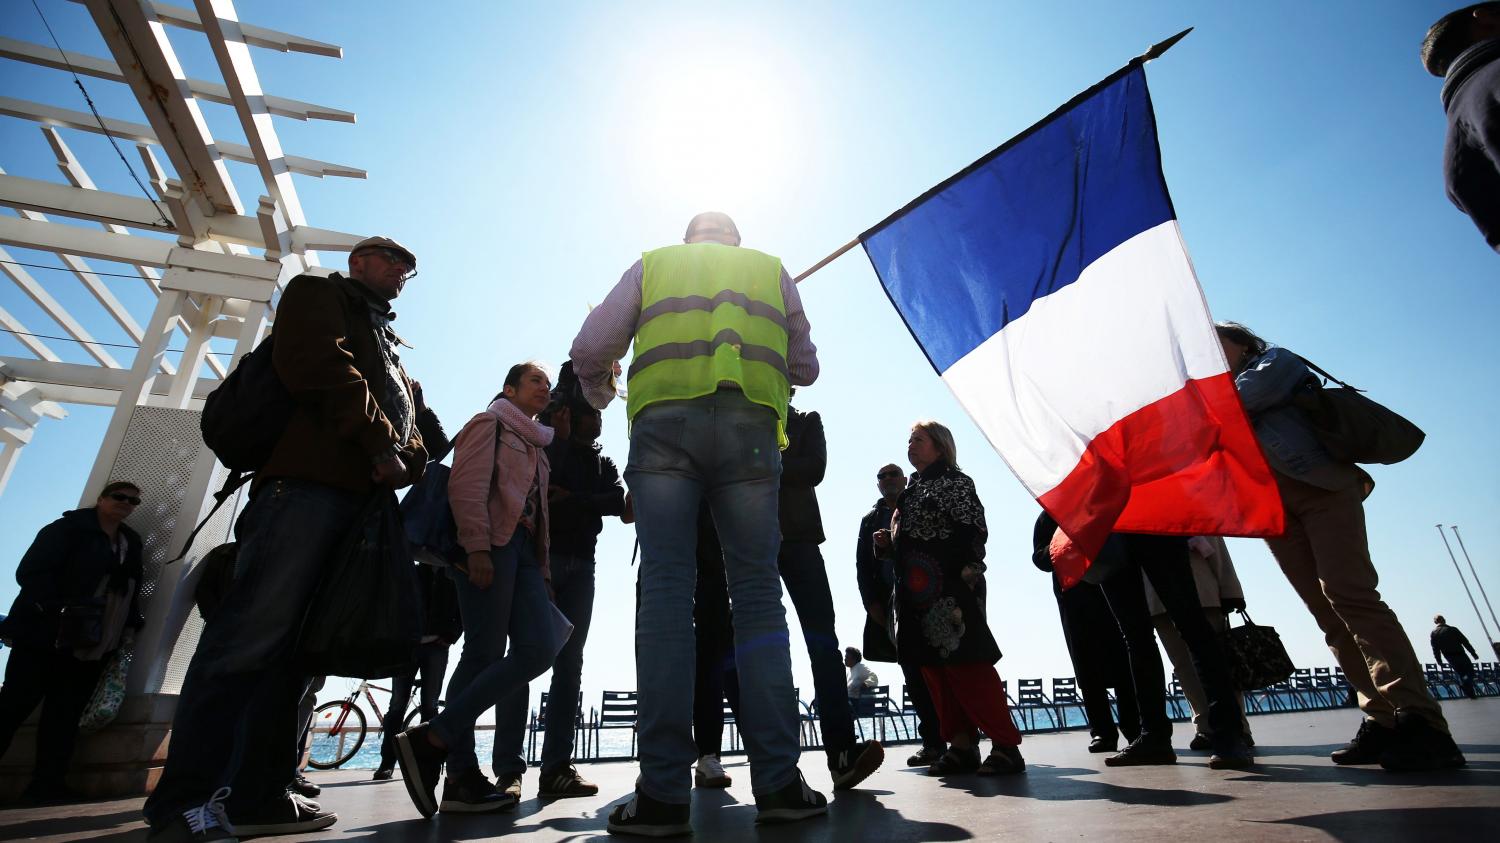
(710, 314)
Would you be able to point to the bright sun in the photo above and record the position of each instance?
(712, 128)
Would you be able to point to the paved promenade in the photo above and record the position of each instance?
(1295, 793)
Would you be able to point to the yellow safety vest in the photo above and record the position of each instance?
(710, 313)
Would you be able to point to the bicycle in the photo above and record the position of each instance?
(338, 727)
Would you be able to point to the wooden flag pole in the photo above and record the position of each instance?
(1154, 51)
(826, 261)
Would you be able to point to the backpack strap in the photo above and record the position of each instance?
(1316, 368)
(232, 483)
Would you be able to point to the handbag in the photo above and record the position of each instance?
(104, 706)
(365, 619)
(1351, 426)
(1256, 656)
(80, 626)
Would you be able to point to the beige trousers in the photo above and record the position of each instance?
(1325, 555)
(1182, 663)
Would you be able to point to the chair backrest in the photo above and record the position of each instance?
(618, 708)
(1030, 692)
(1065, 689)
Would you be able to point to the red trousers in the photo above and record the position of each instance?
(970, 696)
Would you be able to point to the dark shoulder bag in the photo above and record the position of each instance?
(1351, 426)
(1257, 658)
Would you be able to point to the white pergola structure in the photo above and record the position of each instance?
(214, 265)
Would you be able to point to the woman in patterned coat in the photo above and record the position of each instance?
(939, 535)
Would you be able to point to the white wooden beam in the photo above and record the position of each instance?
(139, 43)
(139, 133)
(13, 325)
(100, 68)
(54, 309)
(31, 396)
(258, 36)
(8, 456)
(62, 200)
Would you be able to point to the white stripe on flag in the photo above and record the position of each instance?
(1133, 329)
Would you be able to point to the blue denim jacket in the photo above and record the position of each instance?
(1266, 387)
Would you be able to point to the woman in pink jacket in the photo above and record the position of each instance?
(498, 492)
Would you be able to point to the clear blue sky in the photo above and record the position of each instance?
(529, 153)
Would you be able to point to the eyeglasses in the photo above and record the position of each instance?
(124, 498)
(884, 475)
(396, 258)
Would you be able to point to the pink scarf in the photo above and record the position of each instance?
(538, 435)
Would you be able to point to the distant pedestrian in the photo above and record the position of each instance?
(875, 570)
(861, 678)
(1095, 647)
(79, 603)
(1449, 644)
(1463, 47)
(939, 535)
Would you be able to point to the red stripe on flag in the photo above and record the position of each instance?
(1187, 465)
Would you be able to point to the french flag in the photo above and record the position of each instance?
(1048, 285)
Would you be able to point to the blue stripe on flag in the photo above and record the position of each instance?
(971, 255)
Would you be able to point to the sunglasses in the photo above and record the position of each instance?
(887, 474)
(124, 498)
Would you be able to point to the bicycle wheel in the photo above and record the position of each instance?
(414, 717)
(338, 731)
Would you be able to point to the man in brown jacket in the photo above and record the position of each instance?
(353, 430)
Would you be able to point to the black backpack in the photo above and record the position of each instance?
(245, 416)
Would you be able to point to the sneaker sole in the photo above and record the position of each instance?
(454, 806)
(272, 829)
(868, 762)
(565, 794)
(712, 782)
(1154, 762)
(676, 830)
(776, 816)
(420, 796)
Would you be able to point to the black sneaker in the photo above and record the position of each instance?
(1235, 756)
(646, 817)
(1418, 746)
(286, 815)
(855, 764)
(1103, 744)
(1367, 746)
(302, 786)
(925, 756)
(421, 764)
(206, 823)
(564, 782)
(473, 793)
(1002, 761)
(384, 774)
(1142, 752)
(509, 783)
(794, 802)
(955, 761)
(1200, 742)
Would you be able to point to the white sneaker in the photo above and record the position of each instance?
(709, 772)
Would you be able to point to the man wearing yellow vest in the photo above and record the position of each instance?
(720, 338)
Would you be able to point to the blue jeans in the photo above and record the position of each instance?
(515, 606)
(573, 589)
(236, 717)
(721, 448)
(807, 584)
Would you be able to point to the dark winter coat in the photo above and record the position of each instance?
(940, 537)
(64, 566)
(877, 581)
(802, 466)
(594, 491)
(1471, 155)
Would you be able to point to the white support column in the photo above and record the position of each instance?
(8, 454)
(138, 388)
(199, 333)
